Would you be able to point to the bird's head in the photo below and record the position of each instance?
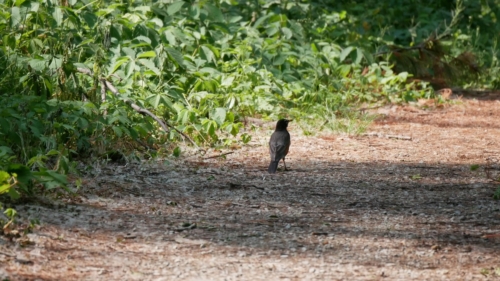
(282, 124)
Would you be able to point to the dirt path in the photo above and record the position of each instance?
(352, 208)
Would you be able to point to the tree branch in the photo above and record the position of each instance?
(137, 108)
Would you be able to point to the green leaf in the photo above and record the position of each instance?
(154, 100)
(119, 63)
(194, 12)
(130, 68)
(15, 16)
(177, 151)
(14, 194)
(148, 54)
(9, 41)
(150, 65)
(175, 7)
(214, 13)
(219, 115)
(4, 187)
(51, 179)
(175, 56)
(118, 131)
(345, 52)
(58, 15)
(38, 64)
(287, 33)
(344, 70)
(90, 19)
(207, 54)
(359, 55)
(169, 35)
(227, 81)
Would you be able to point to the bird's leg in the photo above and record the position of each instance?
(284, 163)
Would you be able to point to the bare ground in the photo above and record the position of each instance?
(376, 207)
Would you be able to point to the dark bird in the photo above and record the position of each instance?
(279, 145)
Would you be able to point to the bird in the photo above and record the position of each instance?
(279, 145)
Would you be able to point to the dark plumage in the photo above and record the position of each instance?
(279, 145)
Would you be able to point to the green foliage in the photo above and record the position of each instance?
(202, 66)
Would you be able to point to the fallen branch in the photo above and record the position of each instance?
(400, 137)
(220, 155)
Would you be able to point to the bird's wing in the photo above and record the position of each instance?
(278, 145)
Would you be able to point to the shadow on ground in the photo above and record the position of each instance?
(427, 205)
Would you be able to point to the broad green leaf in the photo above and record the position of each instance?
(15, 16)
(56, 63)
(154, 100)
(175, 55)
(272, 29)
(58, 15)
(359, 55)
(130, 68)
(118, 131)
(219, 115)
(119, 63)
(4, 187)
(35, 131)
(194, 12)
(344, 69)
(297, 30)
(214, 13)
(261, 20)
(227, 81)
(9, 41)
(345, 52)
(14, 194)
(51, 179)
(133, 133)
(208, 54)
(170, 38)
(149, 64)
(159, 11)
(280, 59)
(287, 33)
(90, 19)
(141, 41)
(175, 7)
(37, 64)
(148, 54)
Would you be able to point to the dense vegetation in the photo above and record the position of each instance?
(88, 78)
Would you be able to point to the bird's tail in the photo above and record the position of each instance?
(273, 166)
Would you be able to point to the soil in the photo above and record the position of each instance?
(412, 199)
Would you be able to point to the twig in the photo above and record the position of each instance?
(103, 97)
(220, 155)
(7, 254)
(400, 137)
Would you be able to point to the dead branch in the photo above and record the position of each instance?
(134, 106)
(220, 155)
(399, 137)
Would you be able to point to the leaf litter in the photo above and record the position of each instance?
(366, 207)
